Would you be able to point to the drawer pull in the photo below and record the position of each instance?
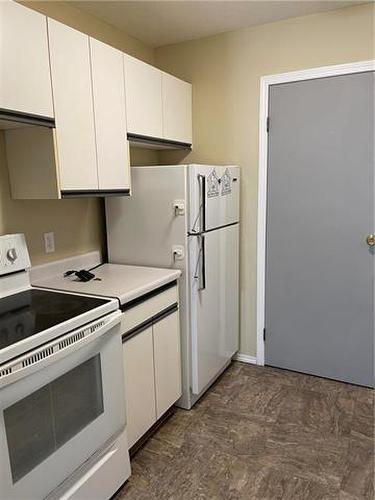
(149, 322)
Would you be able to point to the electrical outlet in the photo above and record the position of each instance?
(178, 252)
(179, 207)
(49, 242)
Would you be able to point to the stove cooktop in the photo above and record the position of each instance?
(30, 312)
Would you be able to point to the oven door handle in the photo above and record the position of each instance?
(56, 349)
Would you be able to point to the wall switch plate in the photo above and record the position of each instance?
(49, 242)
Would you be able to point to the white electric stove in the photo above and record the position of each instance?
(62, 417)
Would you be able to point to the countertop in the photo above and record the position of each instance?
(123, 282)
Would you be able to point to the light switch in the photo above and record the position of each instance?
(49, 242)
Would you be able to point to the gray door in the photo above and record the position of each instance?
(319, 268)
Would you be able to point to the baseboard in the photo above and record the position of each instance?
(245, 358)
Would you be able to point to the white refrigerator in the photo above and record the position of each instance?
(187, 217)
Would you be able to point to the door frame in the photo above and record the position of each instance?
(265, 83)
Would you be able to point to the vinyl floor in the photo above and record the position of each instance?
(262, 433)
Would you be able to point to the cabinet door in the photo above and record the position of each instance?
(139, 384)
(177, 109)
(167, 361)
(74, 115)
(107, 66)
(143, 98)
(25, 80)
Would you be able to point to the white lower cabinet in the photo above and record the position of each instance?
(152, 370)
(167, 362)
(139, 384)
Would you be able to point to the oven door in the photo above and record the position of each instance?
(59, 408)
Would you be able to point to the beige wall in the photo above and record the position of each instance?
(91, 25)
(78, 224)
(225, 72)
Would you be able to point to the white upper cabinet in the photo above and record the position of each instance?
(88, 152)
(177, 109)
(94, 99)
(74, 114)
(25, 81)
(158, 105)
(110, 117)
(143, 98)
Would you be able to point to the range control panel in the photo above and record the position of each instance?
(13, 253)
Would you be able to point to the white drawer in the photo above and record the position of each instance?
(139, 313)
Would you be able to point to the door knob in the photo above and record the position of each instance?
(371, 240)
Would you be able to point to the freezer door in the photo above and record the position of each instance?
(214, 278)
(214, 197)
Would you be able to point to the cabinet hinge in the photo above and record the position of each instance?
(264, 334)
(268, 124)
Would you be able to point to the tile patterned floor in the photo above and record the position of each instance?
(262, 433)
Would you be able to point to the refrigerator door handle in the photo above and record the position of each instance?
(201, 264)
(202, 202)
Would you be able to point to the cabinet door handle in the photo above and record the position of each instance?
(136, 330)
(149, 322)
(167, 312)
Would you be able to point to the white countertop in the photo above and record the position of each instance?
(120, 281)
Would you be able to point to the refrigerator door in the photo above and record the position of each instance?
(214, 197)
(214, 278)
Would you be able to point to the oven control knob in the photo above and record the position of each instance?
(12, 255)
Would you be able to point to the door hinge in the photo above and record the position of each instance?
(268, 124)
(264, 334)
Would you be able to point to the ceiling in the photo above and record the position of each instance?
(163, 22)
